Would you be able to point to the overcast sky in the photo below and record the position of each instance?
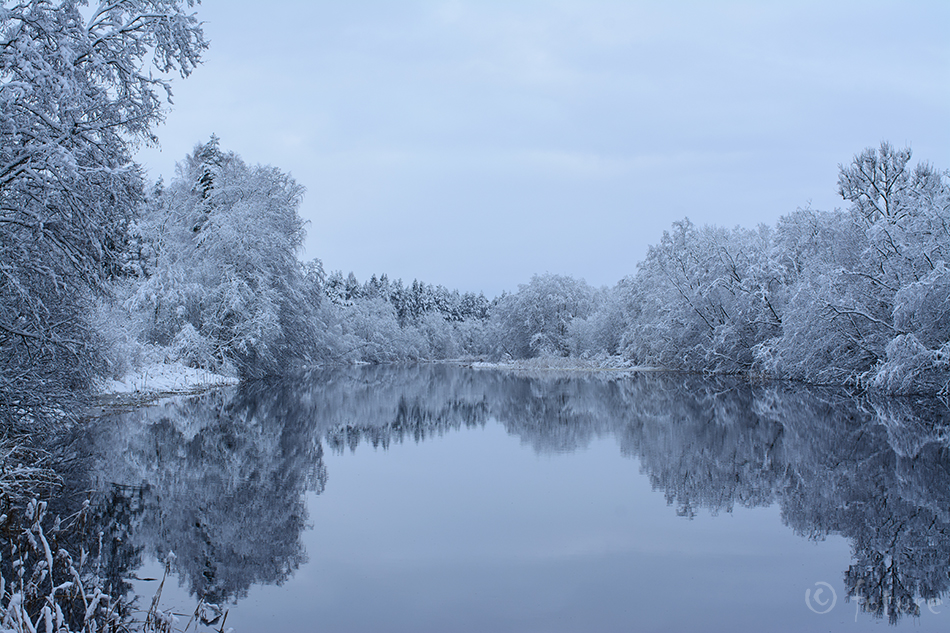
(473, 144)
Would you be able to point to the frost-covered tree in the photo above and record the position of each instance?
(706, 297)
(80, 85)
(865, 279)
(227, 288)
(536, 320)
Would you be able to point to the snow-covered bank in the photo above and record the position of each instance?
(157, 380)
(560, 363)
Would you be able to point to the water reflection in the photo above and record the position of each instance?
(220, 480)
(215, 480)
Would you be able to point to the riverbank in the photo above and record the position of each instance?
(564, 364)
(157, 381)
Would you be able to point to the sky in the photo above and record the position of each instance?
(474, 144)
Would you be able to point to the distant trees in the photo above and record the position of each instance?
(387, 321)
(76, 94)
(411, 303)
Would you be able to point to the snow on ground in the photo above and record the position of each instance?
(558, 363)
(164, 378)
(156, 380)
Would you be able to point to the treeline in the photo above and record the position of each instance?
(210, 277)
(858, 296)
(411, 302)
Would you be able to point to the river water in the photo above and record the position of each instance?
(444, 498)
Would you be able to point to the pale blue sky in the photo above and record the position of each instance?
(473, 144)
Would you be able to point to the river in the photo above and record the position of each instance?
(445, 498)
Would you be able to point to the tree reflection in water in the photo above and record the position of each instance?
(220, 479)
(221, 487)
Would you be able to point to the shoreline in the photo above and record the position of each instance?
(154, 383)
(564, 364)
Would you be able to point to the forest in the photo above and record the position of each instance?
(210, 277)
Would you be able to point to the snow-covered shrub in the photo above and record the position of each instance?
(44, 586)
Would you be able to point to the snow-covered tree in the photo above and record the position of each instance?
(227, 287)
(825, 335)
(315, 281)
(536, 320)
(863, 278)
(706, 297)
(854, 296)
(80, 85)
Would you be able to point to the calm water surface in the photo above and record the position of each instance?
(440, 498)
